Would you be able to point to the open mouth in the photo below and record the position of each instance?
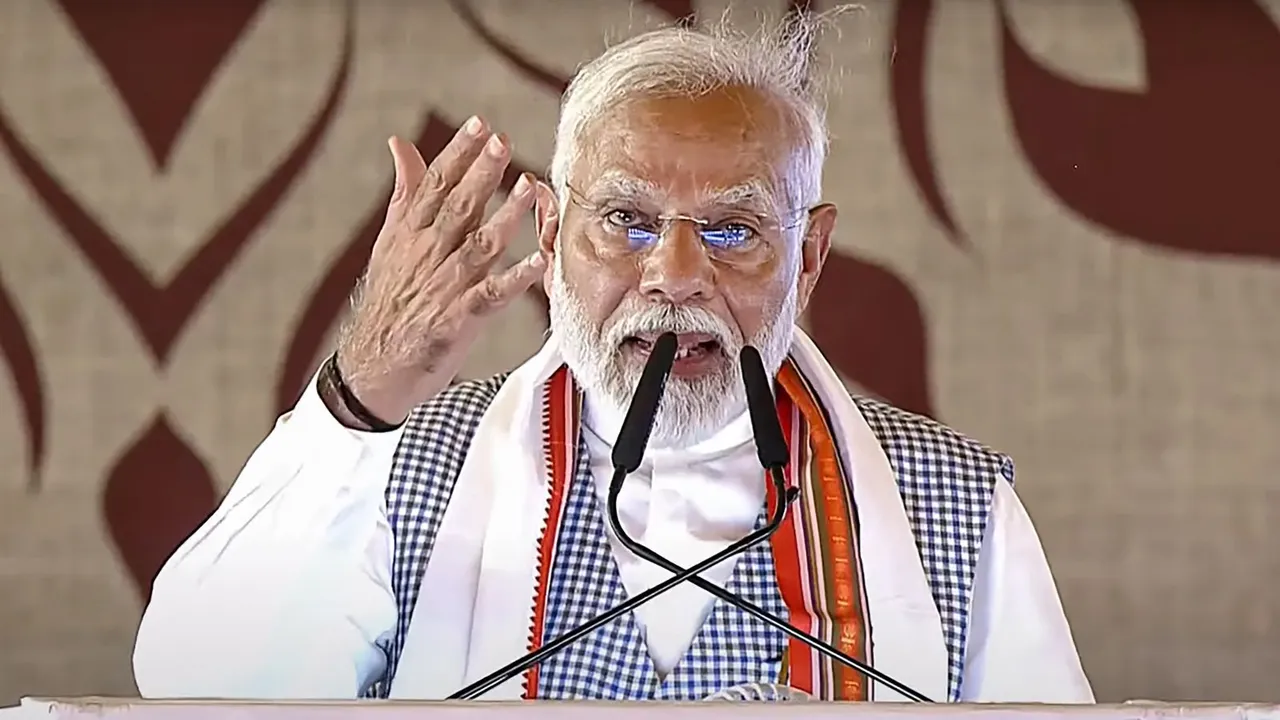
(691, 347)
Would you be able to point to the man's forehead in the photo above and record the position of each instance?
(740, 112)
(708, 150)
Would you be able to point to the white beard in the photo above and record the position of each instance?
(692, 409)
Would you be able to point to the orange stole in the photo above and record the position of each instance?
(816, 551)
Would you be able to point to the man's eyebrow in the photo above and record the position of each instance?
(617, 186)
(621, 186)
(750, 195)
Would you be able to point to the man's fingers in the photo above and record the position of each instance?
(487, 243)
(497, 291)
(444, 172)
(409, 170)
(467, 200)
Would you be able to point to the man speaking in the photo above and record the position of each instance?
(401, 536)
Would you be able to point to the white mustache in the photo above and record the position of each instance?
(672, 318)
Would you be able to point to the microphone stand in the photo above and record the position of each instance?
(505, 673)
(643, 552)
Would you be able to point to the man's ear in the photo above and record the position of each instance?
(546, 221)
(813, 250)
(547, 210)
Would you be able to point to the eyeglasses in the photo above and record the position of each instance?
(621, 224)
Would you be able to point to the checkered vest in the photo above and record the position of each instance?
(946, 480)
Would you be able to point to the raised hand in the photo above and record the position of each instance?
(432, 280)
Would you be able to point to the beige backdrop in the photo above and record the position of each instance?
(1058, 234)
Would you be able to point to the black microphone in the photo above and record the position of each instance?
(633, 436)
(771, 447)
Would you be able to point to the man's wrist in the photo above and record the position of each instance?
(339, 400)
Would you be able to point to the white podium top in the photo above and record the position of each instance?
(122, 709)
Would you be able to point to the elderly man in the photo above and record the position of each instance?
(402, 536)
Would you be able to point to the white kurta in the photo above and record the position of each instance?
(285, 592)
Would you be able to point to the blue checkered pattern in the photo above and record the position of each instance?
(946, 482)
(731, 648)
(427, 462)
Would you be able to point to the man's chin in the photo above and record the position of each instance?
(696, 415)
(694, 408)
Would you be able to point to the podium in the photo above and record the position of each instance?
(124, 709)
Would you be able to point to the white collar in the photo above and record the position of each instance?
(603, 420)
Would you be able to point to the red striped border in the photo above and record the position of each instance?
(560, 423)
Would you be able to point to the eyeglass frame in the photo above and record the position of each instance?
(668, 220)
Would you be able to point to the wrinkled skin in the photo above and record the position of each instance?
(433, 279)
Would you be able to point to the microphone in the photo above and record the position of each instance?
(632, 439)
(771, 447)
(633, 436)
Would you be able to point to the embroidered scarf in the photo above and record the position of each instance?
(815, 551)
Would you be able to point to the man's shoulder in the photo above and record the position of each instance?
(915, 440)
(464, 396)
(910, 440)
(453, 414)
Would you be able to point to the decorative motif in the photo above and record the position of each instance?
(1188, 164)
(872, 329)
(159, 312)
(1192, 163)
(15, 347)
(137, 44)
(155, 496)
(907, 85)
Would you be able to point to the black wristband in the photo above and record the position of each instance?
(351, 402)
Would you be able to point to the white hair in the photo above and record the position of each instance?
(778, 61)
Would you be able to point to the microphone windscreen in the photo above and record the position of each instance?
(633, 436)
(771, 446)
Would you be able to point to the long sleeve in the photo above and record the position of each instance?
(285, 591)
(1020, 647)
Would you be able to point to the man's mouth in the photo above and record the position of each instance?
(692, 348)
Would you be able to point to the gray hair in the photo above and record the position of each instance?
(778, 60)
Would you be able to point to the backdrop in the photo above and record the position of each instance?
(1058, 234)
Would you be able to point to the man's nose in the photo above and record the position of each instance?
(677, 270)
